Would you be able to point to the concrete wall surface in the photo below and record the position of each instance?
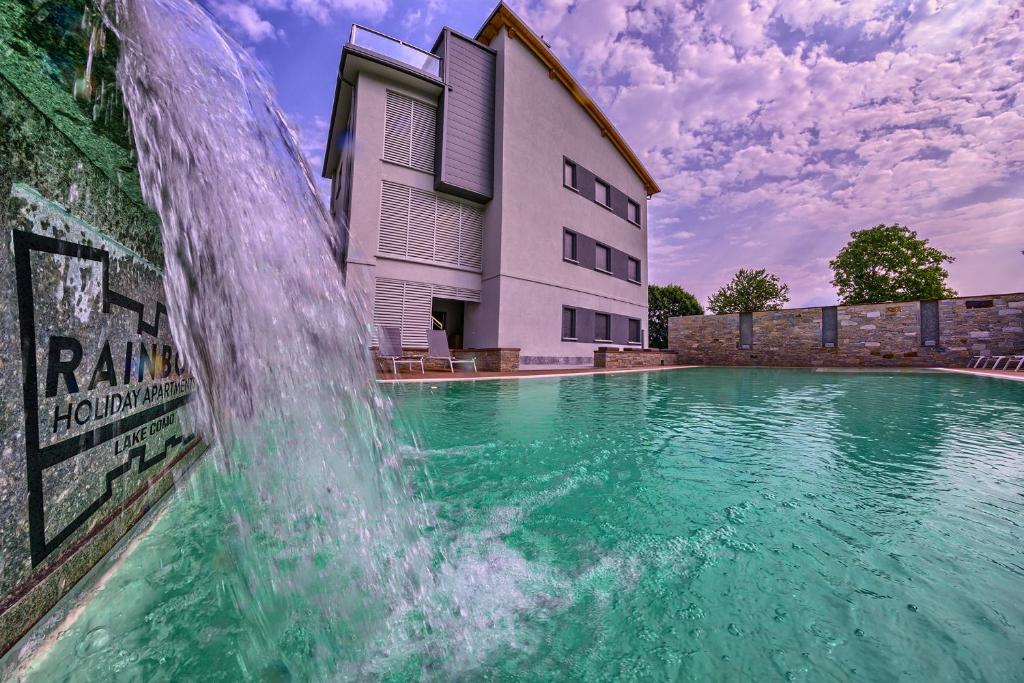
(94, 426)
(869, 335)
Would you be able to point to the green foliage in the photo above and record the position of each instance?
(749, 291)
(664, 302)
(889, 263)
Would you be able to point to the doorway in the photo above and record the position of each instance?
(448, 315)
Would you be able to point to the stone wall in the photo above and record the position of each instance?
(614, 357)
(870, 335)
(492, 360)
(94, 425)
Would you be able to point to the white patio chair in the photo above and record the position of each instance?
(437, 349)
(389, 349)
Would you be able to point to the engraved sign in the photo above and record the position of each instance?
(101, 386)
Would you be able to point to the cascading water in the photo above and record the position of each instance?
(329, 537)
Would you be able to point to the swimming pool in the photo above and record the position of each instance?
(703, 524)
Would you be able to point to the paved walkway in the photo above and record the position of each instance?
(1001, 374)
(434, 376)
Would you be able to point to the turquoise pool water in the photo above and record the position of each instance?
(707, 524)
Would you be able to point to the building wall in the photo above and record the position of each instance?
(538, 124)
(871, 335)
(365, 262)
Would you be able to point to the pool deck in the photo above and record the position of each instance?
(434, 376)
(999, 374)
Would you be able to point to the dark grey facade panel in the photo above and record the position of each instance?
(585, 325)
(586, 320)
(929, 323)
(619, 200)
(620, 264)
(585, 183)
(829, 326)
(586, 251)
(465, 165)
(746, 330)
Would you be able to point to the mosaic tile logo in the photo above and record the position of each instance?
(97, 391)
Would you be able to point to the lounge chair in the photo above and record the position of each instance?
(1011, 359)
(389, 349)
(996, 360)
(437, 349)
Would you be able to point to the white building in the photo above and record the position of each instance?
(486, 192)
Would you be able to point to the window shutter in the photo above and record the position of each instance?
(410, 128)
(472, 237)
(397, 128)
(424, 122)
(422, 210)
(446, 248)
(422, 225)
(387, 304)
(394, 219)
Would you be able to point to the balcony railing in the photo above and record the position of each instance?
(395, 49)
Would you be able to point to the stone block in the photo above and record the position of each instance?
(873, 314)
(869, 327)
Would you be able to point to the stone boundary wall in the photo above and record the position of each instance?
(488, 360)
(613, 357)
(869, 335)
(492, 360)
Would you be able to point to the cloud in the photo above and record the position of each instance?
(776, 127)
(250, 20)
(245, 21)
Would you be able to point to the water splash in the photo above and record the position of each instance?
(329, 537)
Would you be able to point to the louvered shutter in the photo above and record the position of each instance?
(424, 122)
(387, 304)
(397, 128)
(472, 231)
(422, 210)
(394, 219)
(446, 247)
(422, 225)
(416, 315)
(410, 128)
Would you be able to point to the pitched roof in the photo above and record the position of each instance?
(517, 28)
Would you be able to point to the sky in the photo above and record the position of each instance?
(774, 127)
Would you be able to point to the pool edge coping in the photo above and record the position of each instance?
(589, 373)
(972, 373)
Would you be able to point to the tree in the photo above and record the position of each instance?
(749, 291)
(889, 263)
(664, 302)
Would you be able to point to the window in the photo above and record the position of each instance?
(569, 175)
(604, 258)
(633, 212)
(569, 246)
(635, 333)
(634, 269)
(569, 323)
(602, 327)
(602, 193)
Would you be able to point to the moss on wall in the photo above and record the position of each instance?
(62, 133)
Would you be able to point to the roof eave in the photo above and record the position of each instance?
(503, 16)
